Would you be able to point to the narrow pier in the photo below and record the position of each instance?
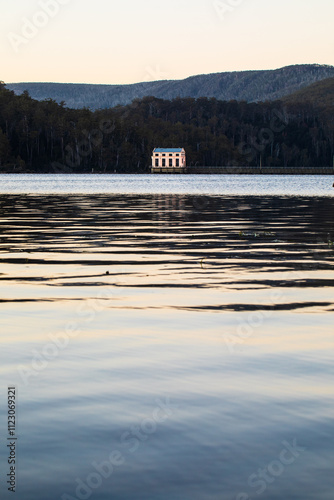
(245, 170)
(169, 170)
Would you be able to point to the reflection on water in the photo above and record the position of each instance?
(191, 336)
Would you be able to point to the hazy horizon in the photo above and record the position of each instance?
(173, 79)
(67, 41)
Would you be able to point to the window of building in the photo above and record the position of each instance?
(163, 162)
(157, 162)
(177, 162)
(170, 162)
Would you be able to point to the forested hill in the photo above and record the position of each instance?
(250, 86)
(320, 94)
(48, 137)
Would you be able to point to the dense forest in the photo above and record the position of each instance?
(43, 136)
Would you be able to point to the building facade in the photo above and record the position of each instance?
(169, 158)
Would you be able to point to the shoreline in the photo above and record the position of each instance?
(281, 171)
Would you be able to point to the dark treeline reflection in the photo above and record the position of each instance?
(228, 232)
(46, 217)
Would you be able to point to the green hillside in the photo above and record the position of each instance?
(320, 94)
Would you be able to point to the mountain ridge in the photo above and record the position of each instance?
(249, 86)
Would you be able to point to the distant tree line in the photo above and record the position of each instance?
(43, 136)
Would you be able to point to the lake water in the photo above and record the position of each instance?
(287, 185)
(169, 338)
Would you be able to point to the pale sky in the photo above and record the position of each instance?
(128, 41)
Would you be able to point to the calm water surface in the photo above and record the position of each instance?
(187, 338)
(309, 185)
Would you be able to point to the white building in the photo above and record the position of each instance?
(169, 158)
